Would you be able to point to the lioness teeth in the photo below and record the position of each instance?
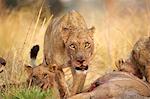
(81, 71)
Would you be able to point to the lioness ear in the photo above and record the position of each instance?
(53, 68)
(65, 33)
(135, 55)
(28, 69)
(91, 31)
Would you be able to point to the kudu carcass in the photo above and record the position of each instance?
(116, 85)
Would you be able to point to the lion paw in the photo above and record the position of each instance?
(119, 63)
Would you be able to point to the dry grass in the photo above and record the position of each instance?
(21, 29)
(115, 35)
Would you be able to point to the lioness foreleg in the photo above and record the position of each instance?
(63, 87)
(78, 81)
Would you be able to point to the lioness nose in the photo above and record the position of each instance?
(80, 61)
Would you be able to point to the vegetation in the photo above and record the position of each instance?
(25, 93)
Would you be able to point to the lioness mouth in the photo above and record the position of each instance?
(1, 71)
(82, 68)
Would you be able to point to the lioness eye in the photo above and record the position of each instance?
(87, 45)
(72, 46)
(45, 75)
(35, 77)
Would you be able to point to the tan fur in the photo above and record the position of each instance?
(69, 43)
(139, 61)
(41, 76)
(47, 77)
(114, 86)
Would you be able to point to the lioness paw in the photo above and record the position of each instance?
(119, 63)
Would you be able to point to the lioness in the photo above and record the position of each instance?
(40, 75)
(116, 85)
(139, 61)
(45, 76)
(2, 64)
(69, 43)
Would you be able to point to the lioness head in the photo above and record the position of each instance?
(78, 40)
(2, 64)
(41, 76)
(141, 51)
